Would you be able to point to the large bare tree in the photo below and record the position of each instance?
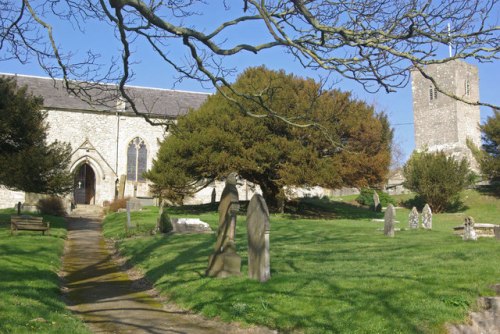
(374, 42)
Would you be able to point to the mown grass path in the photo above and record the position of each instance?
(108, 300)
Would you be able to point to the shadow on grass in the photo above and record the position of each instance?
(324, 208)
(319, 208)
(490, 190)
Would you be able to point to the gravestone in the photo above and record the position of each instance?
(225, 261)
(135, 204)
(258, 228)
(427, 217)
(496, 230)
(413, 218)
(190, 225)
(390, 214)
(128, 224)
(377, 207)
(469, 231)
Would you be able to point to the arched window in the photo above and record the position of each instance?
(137, 155)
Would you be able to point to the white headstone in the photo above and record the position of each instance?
(427, 217)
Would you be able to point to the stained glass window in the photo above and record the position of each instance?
(137, 155)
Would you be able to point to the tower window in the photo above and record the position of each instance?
(433, 94)
(136, 160)
(467, 87)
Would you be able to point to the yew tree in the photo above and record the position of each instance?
(349, 145)
(490, 159)
(27, 161)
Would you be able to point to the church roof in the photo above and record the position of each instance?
(106, 98)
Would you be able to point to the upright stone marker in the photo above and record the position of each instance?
(258, 228)
(496, 230)
(469, 231)
(224, 261)
(377, 207)
(413, 218)
(427, 217)
(390, 213)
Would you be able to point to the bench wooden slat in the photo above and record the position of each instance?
(28, 223)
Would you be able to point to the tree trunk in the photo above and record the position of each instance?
(274, 196)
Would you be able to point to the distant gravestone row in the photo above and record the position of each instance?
(224, 261)
(414, 218)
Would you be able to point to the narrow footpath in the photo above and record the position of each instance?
(106, 298)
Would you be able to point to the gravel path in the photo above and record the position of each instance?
(108, 300)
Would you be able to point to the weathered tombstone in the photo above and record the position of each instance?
(469, 231)
(496, 230)
(190, 225)
(128, 225)
(135, 204)
(213, 196)
(225, 261)
(377, 207)
(427, 217)
(390, 214)
(413, 218)
(258, 228)
(121, 186)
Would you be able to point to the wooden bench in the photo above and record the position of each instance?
(28, 223)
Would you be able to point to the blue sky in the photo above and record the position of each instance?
(151, 71)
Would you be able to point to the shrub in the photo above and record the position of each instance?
(437, 178)
(366, 198)
(118, 203)
(51, 206)
(165, 224)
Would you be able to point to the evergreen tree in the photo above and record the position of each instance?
(490, 160)
(27, 162)
(437, 178)
(349, 146)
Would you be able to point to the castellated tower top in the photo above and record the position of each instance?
(443, 123)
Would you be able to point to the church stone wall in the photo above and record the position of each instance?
(103, 135)
(9, 198)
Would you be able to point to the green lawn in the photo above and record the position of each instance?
(30, 299)
(332, 271)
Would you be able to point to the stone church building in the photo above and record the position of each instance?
(111, 145)
(441, 122)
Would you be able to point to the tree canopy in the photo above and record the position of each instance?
(374, 42)
(437, 178)
(27, 162)
(490, 160)
(351, 147)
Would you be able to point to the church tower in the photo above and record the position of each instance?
(443, 123)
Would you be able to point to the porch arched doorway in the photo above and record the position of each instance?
(84, 185)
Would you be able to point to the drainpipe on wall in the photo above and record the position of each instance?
(120, 107)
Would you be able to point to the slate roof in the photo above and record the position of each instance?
(103, 97)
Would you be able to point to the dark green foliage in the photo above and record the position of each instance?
(350, 147)
(366, 198)
(490, 162)
(51, 206)
(437, 178)
(27, 161)
(165, 224)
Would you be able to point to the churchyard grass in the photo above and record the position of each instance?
(331, 273)
(30, 297)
